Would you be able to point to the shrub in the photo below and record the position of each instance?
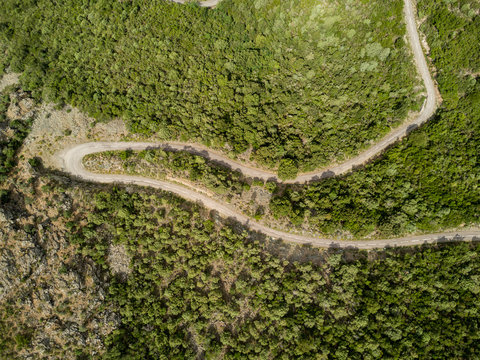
(288, 169)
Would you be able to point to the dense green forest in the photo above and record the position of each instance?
(430, 180)
(200, 288)
(291, 79)
(14, 132)
(3, 58)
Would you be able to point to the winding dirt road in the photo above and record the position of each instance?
(72, 162)
(395, 135)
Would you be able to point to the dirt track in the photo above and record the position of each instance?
(72, 159)
(72, 162)
(427, 111)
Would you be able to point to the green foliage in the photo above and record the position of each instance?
(34, 162)
(280, 207)
(10, 146)
(287, 169)
(289, 79)
(179, 164)
(4, 196)
(429, 181)
(4, 103)
(14, 335)
(200, 289)
(426, 183)
(29, 228)
(271, 186)
(22, 340)
(124, 155)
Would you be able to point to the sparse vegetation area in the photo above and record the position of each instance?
(250, 196)
(14, 337)
(51, 299)
(301, 80)
(161, 164)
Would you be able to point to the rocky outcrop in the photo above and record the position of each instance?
(56, 296)
(21, 106)
(18, 262)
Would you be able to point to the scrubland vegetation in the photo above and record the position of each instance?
(430, 180)
(202, 288)
(13, 134)
(157, 163)
(298, 80)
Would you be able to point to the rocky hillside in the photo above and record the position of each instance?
(51, 298)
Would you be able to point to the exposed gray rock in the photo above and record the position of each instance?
(66, 202)
(26, 105)
(18, 264)
(21, 106)
(8, 271)
(5, 217)
(71, 331)
(119, 260)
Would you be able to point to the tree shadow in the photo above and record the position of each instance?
(302, 253)
(410, 128)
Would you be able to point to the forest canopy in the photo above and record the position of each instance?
(12, 135)
(289, 79)
(429, 181)
(426, 183)
(200, 288)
